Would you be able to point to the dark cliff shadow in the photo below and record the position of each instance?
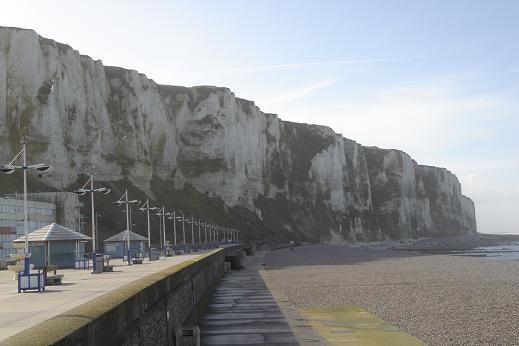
(323, 254)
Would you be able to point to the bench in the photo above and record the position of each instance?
(52, 280)
(108, 268)
(50, 268)
(138, 258)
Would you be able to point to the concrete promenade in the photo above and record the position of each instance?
(20, 311)
(243, 311)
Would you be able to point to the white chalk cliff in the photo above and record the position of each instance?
(270, 177)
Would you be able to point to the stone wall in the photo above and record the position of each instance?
(147, 311)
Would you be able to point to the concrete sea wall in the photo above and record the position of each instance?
(148, 311)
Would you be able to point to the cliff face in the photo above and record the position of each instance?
(210, 153)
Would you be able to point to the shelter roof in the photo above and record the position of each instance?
(54, 232)
(123, 236)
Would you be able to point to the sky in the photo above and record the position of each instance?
(437, 79)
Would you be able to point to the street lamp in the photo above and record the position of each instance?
(205, 234)
(9, 169)
(199, 235)
(195, 222)
(146, 207)
(174, 218)
(97, 223)
(211, 234)
(183, 219)
(162, 214)
(127, 202)
(192, 222)
(82, 191)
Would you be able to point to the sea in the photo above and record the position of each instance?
(505, 252)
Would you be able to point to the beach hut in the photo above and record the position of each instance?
(55, 245)
(116, 246)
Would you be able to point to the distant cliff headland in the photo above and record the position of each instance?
(211, 154)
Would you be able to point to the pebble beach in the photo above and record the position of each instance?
(440, 299)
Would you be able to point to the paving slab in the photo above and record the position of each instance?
(355, 326)
(20, 311)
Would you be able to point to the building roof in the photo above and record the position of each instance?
(53, 232)
(123, 236)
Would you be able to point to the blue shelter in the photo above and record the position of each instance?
(55, 245)
(116, 246)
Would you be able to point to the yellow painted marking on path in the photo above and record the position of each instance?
(355, 326)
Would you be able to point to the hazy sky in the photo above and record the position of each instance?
(437, 79)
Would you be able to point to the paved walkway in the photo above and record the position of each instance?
(21, 311)
(243, 311)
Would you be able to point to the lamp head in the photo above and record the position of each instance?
(43, 168)
(7, 169)
(80, 192)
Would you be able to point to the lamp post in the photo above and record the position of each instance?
(190, 221)
(168, 214)
(196, 245)
(83, 190)
(9, 169)
(174, 218)
(192, 233)
(162, 213)
(162, 234)
(183, 219)
(97, 223)
(146, 208)
(199, 235)
(205, 234)
(127, 202)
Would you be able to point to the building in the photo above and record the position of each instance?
(43, 209)
(67, 207)
(55, 245)
(11, 221)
